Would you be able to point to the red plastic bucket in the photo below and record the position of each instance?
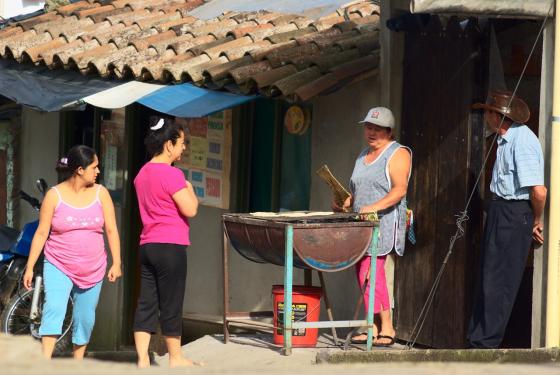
(306, 307)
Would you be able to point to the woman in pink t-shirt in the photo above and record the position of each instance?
(166, 201)
(73, 216)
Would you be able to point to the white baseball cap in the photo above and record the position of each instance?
(380, 116)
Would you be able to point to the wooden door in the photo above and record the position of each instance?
(441, 81)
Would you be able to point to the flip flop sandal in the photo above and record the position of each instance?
(358, 341)
(383, 344)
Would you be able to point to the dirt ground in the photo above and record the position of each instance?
(21, 355)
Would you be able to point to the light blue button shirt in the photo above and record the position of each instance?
(519, 163)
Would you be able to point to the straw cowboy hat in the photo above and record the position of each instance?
(498, 101)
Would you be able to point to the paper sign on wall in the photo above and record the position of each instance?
(206, 162)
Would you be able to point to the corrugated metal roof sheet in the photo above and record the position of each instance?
(516, 8)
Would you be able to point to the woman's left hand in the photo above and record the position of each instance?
(114, 273)
(367, 210)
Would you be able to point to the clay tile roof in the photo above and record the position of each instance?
(201, 48)
(185, 42)
(104, 36)
(29, 23)
(362, 67)
(81, 60)
(288, 85)
(239, 51)
(260, 53)
(266, 17)
(15, 39)
(283, 19)
(66, 50)
(33, 54)
(93, 11)
(269, 77)
(190, 5)
(101, 16)
(96, 28)
(290, 35)
(243, 74)
(221, 71)
(145, 42)
(45, 26)
(10, 31)
(264, 32)
(327, 23)
(122, 40)
(71, 28)
(14, 50)
(281, 56)
(117, 67)
(66, 10)
(263, 52)
(216, 51)
(173, 24)
(126, 16)
(246, 30)
(157, 19)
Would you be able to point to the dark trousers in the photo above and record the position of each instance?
(507, 239)
(163, 273)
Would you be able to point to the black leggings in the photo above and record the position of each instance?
(163, 274)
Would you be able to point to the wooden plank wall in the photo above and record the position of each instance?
(441, 64)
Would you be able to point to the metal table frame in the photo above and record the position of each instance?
(247, 318)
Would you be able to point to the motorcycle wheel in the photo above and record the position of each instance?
(15, 320)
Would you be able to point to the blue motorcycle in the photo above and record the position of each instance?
(21, 309)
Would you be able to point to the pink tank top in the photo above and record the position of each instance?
(75, 245)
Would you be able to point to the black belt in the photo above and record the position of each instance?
(497, 198)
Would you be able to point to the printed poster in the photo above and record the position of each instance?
(206, 162)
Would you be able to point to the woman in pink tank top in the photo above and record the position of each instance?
(73, 216)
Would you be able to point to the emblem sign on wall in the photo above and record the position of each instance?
(296, 120)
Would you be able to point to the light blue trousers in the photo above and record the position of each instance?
(58, 288)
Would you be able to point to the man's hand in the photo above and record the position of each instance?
(538, 232)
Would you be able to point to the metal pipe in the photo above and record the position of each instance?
(328, 306)
(288, 280)
(553, 275)
(34, 313)
(330, 324)
(226, 281)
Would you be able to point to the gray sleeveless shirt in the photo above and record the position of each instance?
(371, 182)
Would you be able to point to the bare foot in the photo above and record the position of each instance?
(144, 363)
(183, 362)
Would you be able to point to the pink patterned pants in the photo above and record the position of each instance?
(381, 302)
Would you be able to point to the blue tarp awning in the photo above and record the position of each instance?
(187, 100)
(52, 90)
(44, 89)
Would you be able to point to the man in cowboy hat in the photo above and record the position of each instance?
(513, 218)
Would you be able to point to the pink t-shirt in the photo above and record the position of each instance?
(161, 219)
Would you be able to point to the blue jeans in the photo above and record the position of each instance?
(58, 288)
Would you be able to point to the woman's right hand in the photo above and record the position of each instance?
(28, 279)
(335, 207)
(345, 207)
